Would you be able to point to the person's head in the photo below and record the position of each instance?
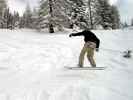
(88, 30)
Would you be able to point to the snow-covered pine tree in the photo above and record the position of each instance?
(34, 19)
(16, 19)
(27, 17)
(8, 19)
(92, 13)
(53, 13)
(77, 14)
(3, 6)
(115, 17)
(61, 18)
(104, 11)
(43, 15)
(21, 22)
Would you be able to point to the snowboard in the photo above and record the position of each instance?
(85, 68)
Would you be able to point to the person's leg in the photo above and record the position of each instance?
(81, 57)
(90, 56)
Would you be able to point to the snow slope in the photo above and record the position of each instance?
(32, 67)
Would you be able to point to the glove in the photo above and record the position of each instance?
(71, 35)
(97, 49)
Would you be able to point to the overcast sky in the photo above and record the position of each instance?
(125, 7)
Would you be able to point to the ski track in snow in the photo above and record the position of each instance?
(32, 67)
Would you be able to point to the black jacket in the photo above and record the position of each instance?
(88, 36)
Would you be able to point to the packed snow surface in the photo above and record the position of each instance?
(32, 66)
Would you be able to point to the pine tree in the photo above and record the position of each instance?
(43, 15)
(82, 13)
(77, 14)
(8, 19)
(92, 13)
(61, 18)
(115, 17)
(52, 13)
(34, 19)
(21, 22)
(16, 20)
(3, 6)
(27, 17)
(104, 11)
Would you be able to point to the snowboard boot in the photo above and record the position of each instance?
(93, 66)
(80, 66)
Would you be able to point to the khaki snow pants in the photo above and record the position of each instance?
(88, 48)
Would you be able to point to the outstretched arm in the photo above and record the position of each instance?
(76, 34)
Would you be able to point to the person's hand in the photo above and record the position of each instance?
(97, 49)
(70, 35)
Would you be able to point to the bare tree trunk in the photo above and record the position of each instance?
(51, 27)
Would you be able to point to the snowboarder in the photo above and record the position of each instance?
(91, 43)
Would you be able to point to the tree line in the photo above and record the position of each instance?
(51, 14)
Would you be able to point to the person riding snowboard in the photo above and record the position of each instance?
(91, 43)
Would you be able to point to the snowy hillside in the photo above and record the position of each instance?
(32, 67)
